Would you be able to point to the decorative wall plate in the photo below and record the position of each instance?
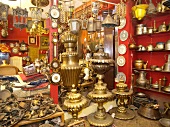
(122, 49)
(122, 22)
(123, 35)
(121, 60)
(120, 76)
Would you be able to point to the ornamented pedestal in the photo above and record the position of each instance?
(123, 96)
(74, 103)
(100, 94)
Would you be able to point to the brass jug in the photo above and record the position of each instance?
(142, 81)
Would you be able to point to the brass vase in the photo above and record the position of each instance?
(100, 94)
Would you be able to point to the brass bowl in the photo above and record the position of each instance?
(4, 94)
(149, 112)
(165, 122)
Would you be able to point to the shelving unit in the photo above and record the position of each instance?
(154, 57)
(151, 89)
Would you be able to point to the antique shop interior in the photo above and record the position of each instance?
(84, 63)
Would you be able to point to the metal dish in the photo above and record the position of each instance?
(165, 122)
(121, 60)
(122, 49)
(123, 35)
(139, 94)
(122, 22)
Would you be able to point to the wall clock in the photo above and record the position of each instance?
(54, 23)
(54, 10)
(55, 77)
(55, 64)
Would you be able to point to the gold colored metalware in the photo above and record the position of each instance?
(74, 103)
(123, 96)
(100, 64)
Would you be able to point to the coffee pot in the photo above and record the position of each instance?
(166, 66)
(142, 81)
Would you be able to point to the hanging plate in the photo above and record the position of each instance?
(122, 22)
(123, 35)
(122, 49)
(121, 60)
(120, 76)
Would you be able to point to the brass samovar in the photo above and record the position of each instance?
(100, 94)
(123, 97)
(70, 68)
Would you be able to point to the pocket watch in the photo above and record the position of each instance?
(55, 77)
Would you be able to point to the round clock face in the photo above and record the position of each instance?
(54, 24)
(15, 50)
(54, 13)
(55, 64)
(55, 78)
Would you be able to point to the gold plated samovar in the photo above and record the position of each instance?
(74, 103)
(123, 96)
(100, 94)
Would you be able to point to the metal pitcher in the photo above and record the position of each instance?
(142, 81)
(166, 66)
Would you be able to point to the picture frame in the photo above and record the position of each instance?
(30, 22)
(32, 40)
(44, 42)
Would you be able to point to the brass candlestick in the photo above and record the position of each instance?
(74, 103)
(123, 96)
(100, 94)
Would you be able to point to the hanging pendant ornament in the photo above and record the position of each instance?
(121, 7)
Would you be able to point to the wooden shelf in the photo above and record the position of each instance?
(152, 35)
(151, 89)
(150, 70)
